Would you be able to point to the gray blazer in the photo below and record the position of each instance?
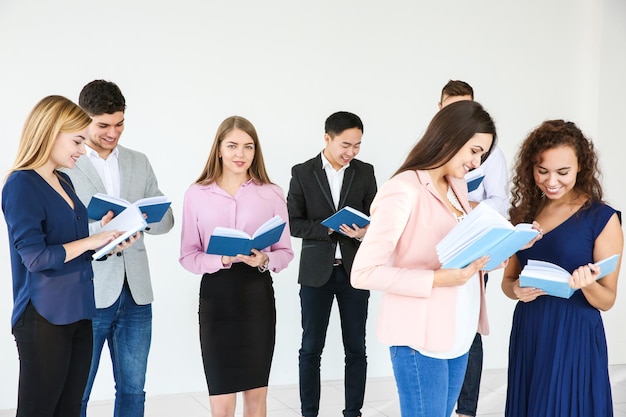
(137, 181)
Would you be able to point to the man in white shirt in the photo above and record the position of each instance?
(122, 285)
(494, 191)
(319, 188)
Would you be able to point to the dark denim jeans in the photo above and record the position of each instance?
(316, 306)
(427, 387)
(468, 398)
(127, 328)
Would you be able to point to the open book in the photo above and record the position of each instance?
(554, 280)
(483, 231)
(154, 207)
(348, 216)
(232, 242)
(129, 221)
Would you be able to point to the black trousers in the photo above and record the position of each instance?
(54, 365)
(316, 304)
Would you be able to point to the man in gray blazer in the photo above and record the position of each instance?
(319, 187)
(122, 284)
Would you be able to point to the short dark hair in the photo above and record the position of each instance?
(456, 88)
(447, 133)
(101, 97)
(340, 121)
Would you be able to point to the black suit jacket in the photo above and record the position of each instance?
(310, 201)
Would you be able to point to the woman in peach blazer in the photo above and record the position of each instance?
(428, 315)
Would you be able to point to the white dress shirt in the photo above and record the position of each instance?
(108, 170)
(494, 189)
(335, 180)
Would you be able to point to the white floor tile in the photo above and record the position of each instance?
(381, 399)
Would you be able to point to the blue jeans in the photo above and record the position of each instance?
(427, 387)
(316, 306)
(127, 328)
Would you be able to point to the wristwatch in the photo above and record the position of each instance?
(263, 268)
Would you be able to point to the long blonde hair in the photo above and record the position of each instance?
(213, 167)
(51, 116)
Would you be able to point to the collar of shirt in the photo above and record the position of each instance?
(327, 165)
(92, 153)
(108, 170)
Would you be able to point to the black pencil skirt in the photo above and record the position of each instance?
(237, 316)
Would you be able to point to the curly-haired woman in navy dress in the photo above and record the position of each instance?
(558, 363)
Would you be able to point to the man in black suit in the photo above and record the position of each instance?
(318, 188)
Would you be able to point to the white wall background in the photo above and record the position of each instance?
(286, 65)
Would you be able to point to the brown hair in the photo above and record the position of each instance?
(213, 168)
(447, 133)
(455, 88)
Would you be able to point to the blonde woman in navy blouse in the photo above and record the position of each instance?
(51, 262)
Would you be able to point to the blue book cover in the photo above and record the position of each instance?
(348, 216)
(474, 183)
(553, 279)
(232, 242)
(154, 207)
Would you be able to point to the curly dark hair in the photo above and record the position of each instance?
(526, 197)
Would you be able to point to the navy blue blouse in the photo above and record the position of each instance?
(39, 222)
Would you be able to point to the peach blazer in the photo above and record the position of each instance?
(398, 257)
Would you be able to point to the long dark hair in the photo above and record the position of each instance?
(447, 133)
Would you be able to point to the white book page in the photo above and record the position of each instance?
(151, 200)
(357, 212)
(227, 232)
(269, 225)
(126, 220)
(111, 199)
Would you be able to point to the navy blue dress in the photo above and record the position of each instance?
(558, 362)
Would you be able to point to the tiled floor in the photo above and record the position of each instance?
(380, 399)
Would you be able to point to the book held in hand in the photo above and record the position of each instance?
(129, 222)
(553, 279)
(154, 207)
(473, 181)
(347, 215)
(232, 242)
(482, 232)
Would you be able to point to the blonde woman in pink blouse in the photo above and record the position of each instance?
(237, 311)
(429, 316)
